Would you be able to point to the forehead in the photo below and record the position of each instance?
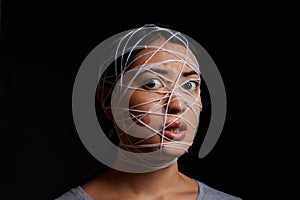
(167, 54)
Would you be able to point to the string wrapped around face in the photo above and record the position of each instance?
(154, 96)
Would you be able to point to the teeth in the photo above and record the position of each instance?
(175, 129)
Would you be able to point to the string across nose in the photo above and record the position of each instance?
(175, 106)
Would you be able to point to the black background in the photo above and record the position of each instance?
(43, 45)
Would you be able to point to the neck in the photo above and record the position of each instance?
(146, 182)
(142, 162)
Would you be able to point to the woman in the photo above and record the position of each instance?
(151, 94)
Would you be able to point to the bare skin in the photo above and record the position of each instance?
(167, 183)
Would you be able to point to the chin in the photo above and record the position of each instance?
(173, 150)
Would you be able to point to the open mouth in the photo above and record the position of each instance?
(175, 131)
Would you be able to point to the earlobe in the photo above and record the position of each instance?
(103, 98)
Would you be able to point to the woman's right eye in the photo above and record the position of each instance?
(153, 83)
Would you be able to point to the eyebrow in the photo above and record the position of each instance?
(185, 74)
(159, 71)
(192, 72)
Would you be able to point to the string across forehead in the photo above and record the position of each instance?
(130, 43)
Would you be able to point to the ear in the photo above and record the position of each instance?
(103, 98)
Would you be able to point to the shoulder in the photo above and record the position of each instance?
(76, 193)
(209, 193)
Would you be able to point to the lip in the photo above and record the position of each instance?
(175, 135)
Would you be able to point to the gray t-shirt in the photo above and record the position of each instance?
(206, 193)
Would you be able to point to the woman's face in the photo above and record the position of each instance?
(157, 103)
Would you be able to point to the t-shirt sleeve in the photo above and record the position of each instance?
(74, 194)
(209, 193)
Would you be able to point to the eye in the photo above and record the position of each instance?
(190, 85)
(152, 83)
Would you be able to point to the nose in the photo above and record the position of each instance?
(175, 105)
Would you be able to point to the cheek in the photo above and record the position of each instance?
(197, 106)
(193, 113)
(141, 102)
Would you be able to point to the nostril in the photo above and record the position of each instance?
(175, 111)
(175, 105)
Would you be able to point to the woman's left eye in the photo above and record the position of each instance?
(153, 83)
(190, 85)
